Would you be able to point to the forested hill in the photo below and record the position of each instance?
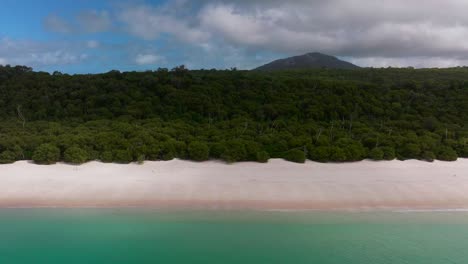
(323, 115)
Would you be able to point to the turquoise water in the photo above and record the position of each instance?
(138, 236)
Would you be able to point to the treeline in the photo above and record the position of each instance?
(322, 115)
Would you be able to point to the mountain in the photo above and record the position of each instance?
(312, 60)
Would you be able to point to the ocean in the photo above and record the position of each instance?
(50, 236)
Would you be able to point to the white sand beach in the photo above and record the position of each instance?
(214, 185)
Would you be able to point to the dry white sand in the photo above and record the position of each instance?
(275, 185)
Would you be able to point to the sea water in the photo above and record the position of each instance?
(36, 236)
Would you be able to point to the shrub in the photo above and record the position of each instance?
(447, 154)
(107, 156)
(123, 156)
(252, 148)
(410, 150)
(389, 153)
(92, 154)
(7, 157)
(17, 152)
(376, 154)
(168, 150)
(141, 159)
(321, 154)
(75, 155)
(337, 154)
(216, 150)
(464, 151)
(46, 154)
(263, 156)
(198, 151)
(428, 156)
(234, 150)
(353, 149)
(295, 155)
(153, 151)
(180, 149)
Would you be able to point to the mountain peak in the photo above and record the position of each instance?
(312, 60)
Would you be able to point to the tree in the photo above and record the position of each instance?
(338, 115)
(46, 154)
(75, 155)
(198, 151)
(20, 115)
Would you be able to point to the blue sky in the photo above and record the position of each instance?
(97, 36)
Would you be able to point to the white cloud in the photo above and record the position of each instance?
(90, 21)
(93, 21)
(92, 44)
(339, 27)
(150, 23)
(3, 61)
(245, 33)
(31, 53)
(234, 26)
(420, 32)
(56, 24)
(59, 57)
(417, 62)
(145, 59)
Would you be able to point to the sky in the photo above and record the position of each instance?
(88, 36)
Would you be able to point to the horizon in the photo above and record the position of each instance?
(228, 69)
(139, 35)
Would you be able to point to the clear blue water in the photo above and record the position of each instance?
(36, 236)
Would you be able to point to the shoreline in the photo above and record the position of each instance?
(277, 185)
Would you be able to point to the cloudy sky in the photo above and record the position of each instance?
(89, 36)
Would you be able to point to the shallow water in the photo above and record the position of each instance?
(145, 236)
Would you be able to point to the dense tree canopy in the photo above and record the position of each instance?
(46, 154)
(198, 151)
(75, 155)
(323, 115)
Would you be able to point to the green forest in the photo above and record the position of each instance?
(322, 115)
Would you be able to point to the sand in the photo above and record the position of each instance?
(365, 185)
